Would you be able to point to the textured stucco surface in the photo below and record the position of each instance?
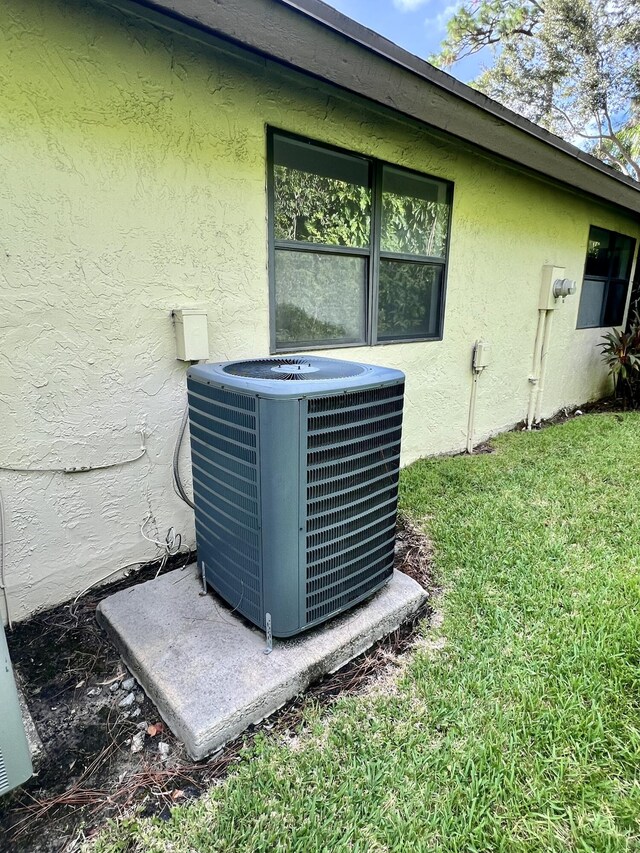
(133, 182)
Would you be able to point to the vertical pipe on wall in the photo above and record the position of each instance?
(534, 378)
(472, 411)
(543, 366)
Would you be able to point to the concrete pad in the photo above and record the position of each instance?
(205, 668)
(33, 738)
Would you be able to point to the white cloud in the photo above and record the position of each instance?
(409, 5)
(440, 21)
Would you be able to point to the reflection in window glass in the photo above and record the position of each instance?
(319, 298)
(320, 196)
(415, 214)
(607, 271)
(598, 257)
(590, 310)
(357, 248)
(622, 257)
(614, 303)
(408, 300)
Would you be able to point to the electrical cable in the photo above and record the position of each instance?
(171, 545)
(177, 482)
(81, 469)
(104, 578)
(172, 541)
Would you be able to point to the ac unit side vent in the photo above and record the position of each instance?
(334, 583)
(381, 502)
(345, 416)
(338, 532)
(349, 543)
(354, 398)
(353, 454)
(355, 463)
(224, 440)
(346, 451)
(374, 579)
(351, 497)
(379, 470)
(339, 437)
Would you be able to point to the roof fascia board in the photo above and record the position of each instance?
(305, 37)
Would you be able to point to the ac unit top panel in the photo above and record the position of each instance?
(293, 377)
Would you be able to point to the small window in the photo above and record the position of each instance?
(606, 279)
(358, 248)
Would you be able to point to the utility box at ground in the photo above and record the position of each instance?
(15, 759)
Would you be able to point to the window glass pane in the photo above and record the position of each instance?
(599, 252)
(622, 257)
(615, 300)
(415, 214)
(408, 300)
(320, 196)
(591, 297)
(319, 298)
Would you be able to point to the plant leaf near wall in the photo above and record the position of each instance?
(621, 354)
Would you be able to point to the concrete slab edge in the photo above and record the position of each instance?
(208, 739)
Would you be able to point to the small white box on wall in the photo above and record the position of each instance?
(192, 334)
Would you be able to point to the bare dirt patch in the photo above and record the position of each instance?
(105, 749)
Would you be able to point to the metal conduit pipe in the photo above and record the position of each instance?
(480, 360)
(472, 411)
(534, 378)
(543, 366)
(554, 289)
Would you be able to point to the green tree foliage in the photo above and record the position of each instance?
(621, 354)
(314, 209)
(413, 226)
(572, 66)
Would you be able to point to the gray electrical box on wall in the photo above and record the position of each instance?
(15, 760)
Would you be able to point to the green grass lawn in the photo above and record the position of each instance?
(522, 733)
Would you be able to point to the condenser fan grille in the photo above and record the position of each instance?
(292, 369)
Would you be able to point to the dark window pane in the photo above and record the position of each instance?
(415, 214)
(622, 257)
(319, 298)
(591, 298)
(408, 300)
(609, 259)
(599, 252)
(320, 196)
(615, 301)
(308, 157)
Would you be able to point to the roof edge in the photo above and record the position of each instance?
(371, 40)
(311, 37)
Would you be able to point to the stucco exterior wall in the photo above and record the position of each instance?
(133, 182)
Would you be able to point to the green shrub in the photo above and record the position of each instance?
(621, 353)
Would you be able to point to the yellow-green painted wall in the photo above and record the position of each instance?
(133, 182)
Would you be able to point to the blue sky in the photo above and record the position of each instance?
(417, 25)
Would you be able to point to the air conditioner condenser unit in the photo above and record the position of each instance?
(295, 466)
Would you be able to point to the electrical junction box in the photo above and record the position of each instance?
(481, 355)
(548, 297)
(192, 334)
